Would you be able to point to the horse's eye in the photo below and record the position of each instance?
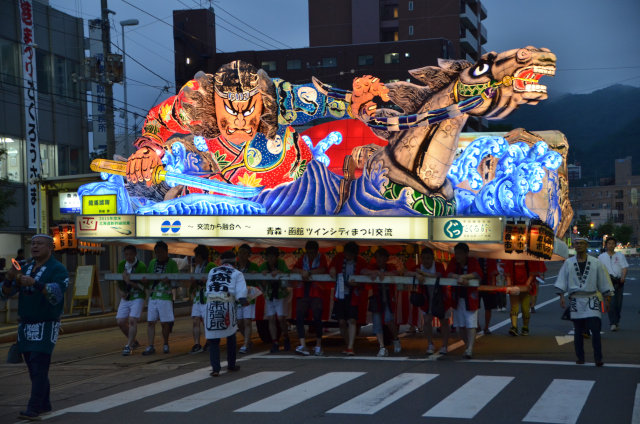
(481, 69)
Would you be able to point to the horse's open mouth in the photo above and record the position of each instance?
(526, 79)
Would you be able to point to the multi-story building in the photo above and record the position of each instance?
(57, 41)
(340, 22)
(348, 38)
(617, 203)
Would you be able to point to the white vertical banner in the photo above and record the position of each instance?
(30, 82)
(98, 101)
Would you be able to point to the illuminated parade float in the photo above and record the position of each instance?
(221, 162)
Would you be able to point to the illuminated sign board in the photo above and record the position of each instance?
(284, 227)
(105, 226)
(104, 204)
(464, 229)
(69, 202)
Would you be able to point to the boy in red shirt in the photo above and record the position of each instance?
(309, 294)
(465, 299)
(522, 273)
(347, 294)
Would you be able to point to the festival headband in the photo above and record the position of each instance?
(46, 236)
(237, 97)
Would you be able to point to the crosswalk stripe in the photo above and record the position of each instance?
(133, 395)
(206, 397)
(295, 395)
(635, 416)
(383, 395)
(469, 399)
(561, 402)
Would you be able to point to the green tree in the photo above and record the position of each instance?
(584, 225)
(606, 228)
(6, 193)
(623, 233)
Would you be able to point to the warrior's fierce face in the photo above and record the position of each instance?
(238, 120)
(238, 101)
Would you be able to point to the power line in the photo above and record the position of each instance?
(253, 28)
(166, 23)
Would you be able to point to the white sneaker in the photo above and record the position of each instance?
(614, 327)
(443, 350)
(431, 349)
(383, 352)
(317, 351)
(397, 348)
(301, 350)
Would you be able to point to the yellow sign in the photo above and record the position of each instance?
(103, 204)
(464, 229)
(105, 226)
(285, 227)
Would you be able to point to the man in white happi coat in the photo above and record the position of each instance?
(582, 277)
(225, 287)
(617, 266)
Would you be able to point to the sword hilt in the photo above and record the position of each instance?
(120, 168)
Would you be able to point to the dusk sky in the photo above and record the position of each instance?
(596, 41)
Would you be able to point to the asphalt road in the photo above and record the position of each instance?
(510, 379)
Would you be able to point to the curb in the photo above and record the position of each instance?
(8, 334)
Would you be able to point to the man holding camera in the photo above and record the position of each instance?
(41, 284)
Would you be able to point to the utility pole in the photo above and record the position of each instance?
(106, 77)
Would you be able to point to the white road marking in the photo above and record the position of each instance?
(561, 403)
(469, 399)
(198, 400)
(635, 416)
(298, 394)
(563, 340)
(383, 395)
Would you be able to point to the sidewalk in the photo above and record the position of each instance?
(95, 321)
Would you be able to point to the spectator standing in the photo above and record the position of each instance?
(196, 292)
(161, 297)
(466, 300)
(225, 287)
(41, 287)
(383, 301)
(309, 295)
(246, 314)
(347, 293)
(617, 267)
(275, 292)
(583, 277)
(132, 296)
(523, 274)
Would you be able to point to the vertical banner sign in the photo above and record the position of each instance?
(30, 110)
(98, 103)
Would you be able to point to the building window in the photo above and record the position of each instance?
(293, 64)
(9, 62)
(410, 29)
(329, 62)
(268, 65)
(48, 159)
(11, 162)
(410, 5)
(392, 58)
(43, 65)
(365, 60)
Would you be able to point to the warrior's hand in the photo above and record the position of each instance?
(141, 164)
(365, 88)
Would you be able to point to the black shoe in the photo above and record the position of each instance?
(29, 415)
(513, 331)
(599, 364)
(275, 348)
(580, 361)
(214, 373)
(286, 345)
(234, 368)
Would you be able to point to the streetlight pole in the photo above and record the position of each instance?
(127, 22)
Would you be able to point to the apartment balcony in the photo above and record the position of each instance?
(468, 17)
